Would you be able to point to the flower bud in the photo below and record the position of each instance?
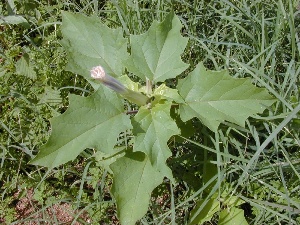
(138, 98)
(98, 73)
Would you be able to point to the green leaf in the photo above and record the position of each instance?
(232, 216)
(153, 128)
(90, 122)
(128, 83)
(214, 96)
(15, 19)
(203, 213)
(164, 92)
(156, 54)
(24, 67)
(11, 7)
(50, 97)
(90, 43)
(134, 180)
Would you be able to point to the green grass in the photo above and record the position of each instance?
(259, 163)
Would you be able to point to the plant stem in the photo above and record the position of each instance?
(148, 87)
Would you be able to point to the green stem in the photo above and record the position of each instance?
(135, 97)
(148, 87)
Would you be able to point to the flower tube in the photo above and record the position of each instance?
(98, 73)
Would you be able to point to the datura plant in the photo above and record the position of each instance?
(100, 54)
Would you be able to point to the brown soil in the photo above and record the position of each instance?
(30, 213)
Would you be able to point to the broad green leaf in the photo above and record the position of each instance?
(134, 180)
(153, 128)
(90, 43)
(24, 67)
(156, 54)
(90, 122)
(214, 97)
(203, 213)
(232, 216)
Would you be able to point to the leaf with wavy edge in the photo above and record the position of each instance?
(153, 128)
(89, 122)
(134, 180)
(156, 54)
(90, 43)
(214, 97)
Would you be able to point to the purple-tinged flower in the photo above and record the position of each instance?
(99, 73)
